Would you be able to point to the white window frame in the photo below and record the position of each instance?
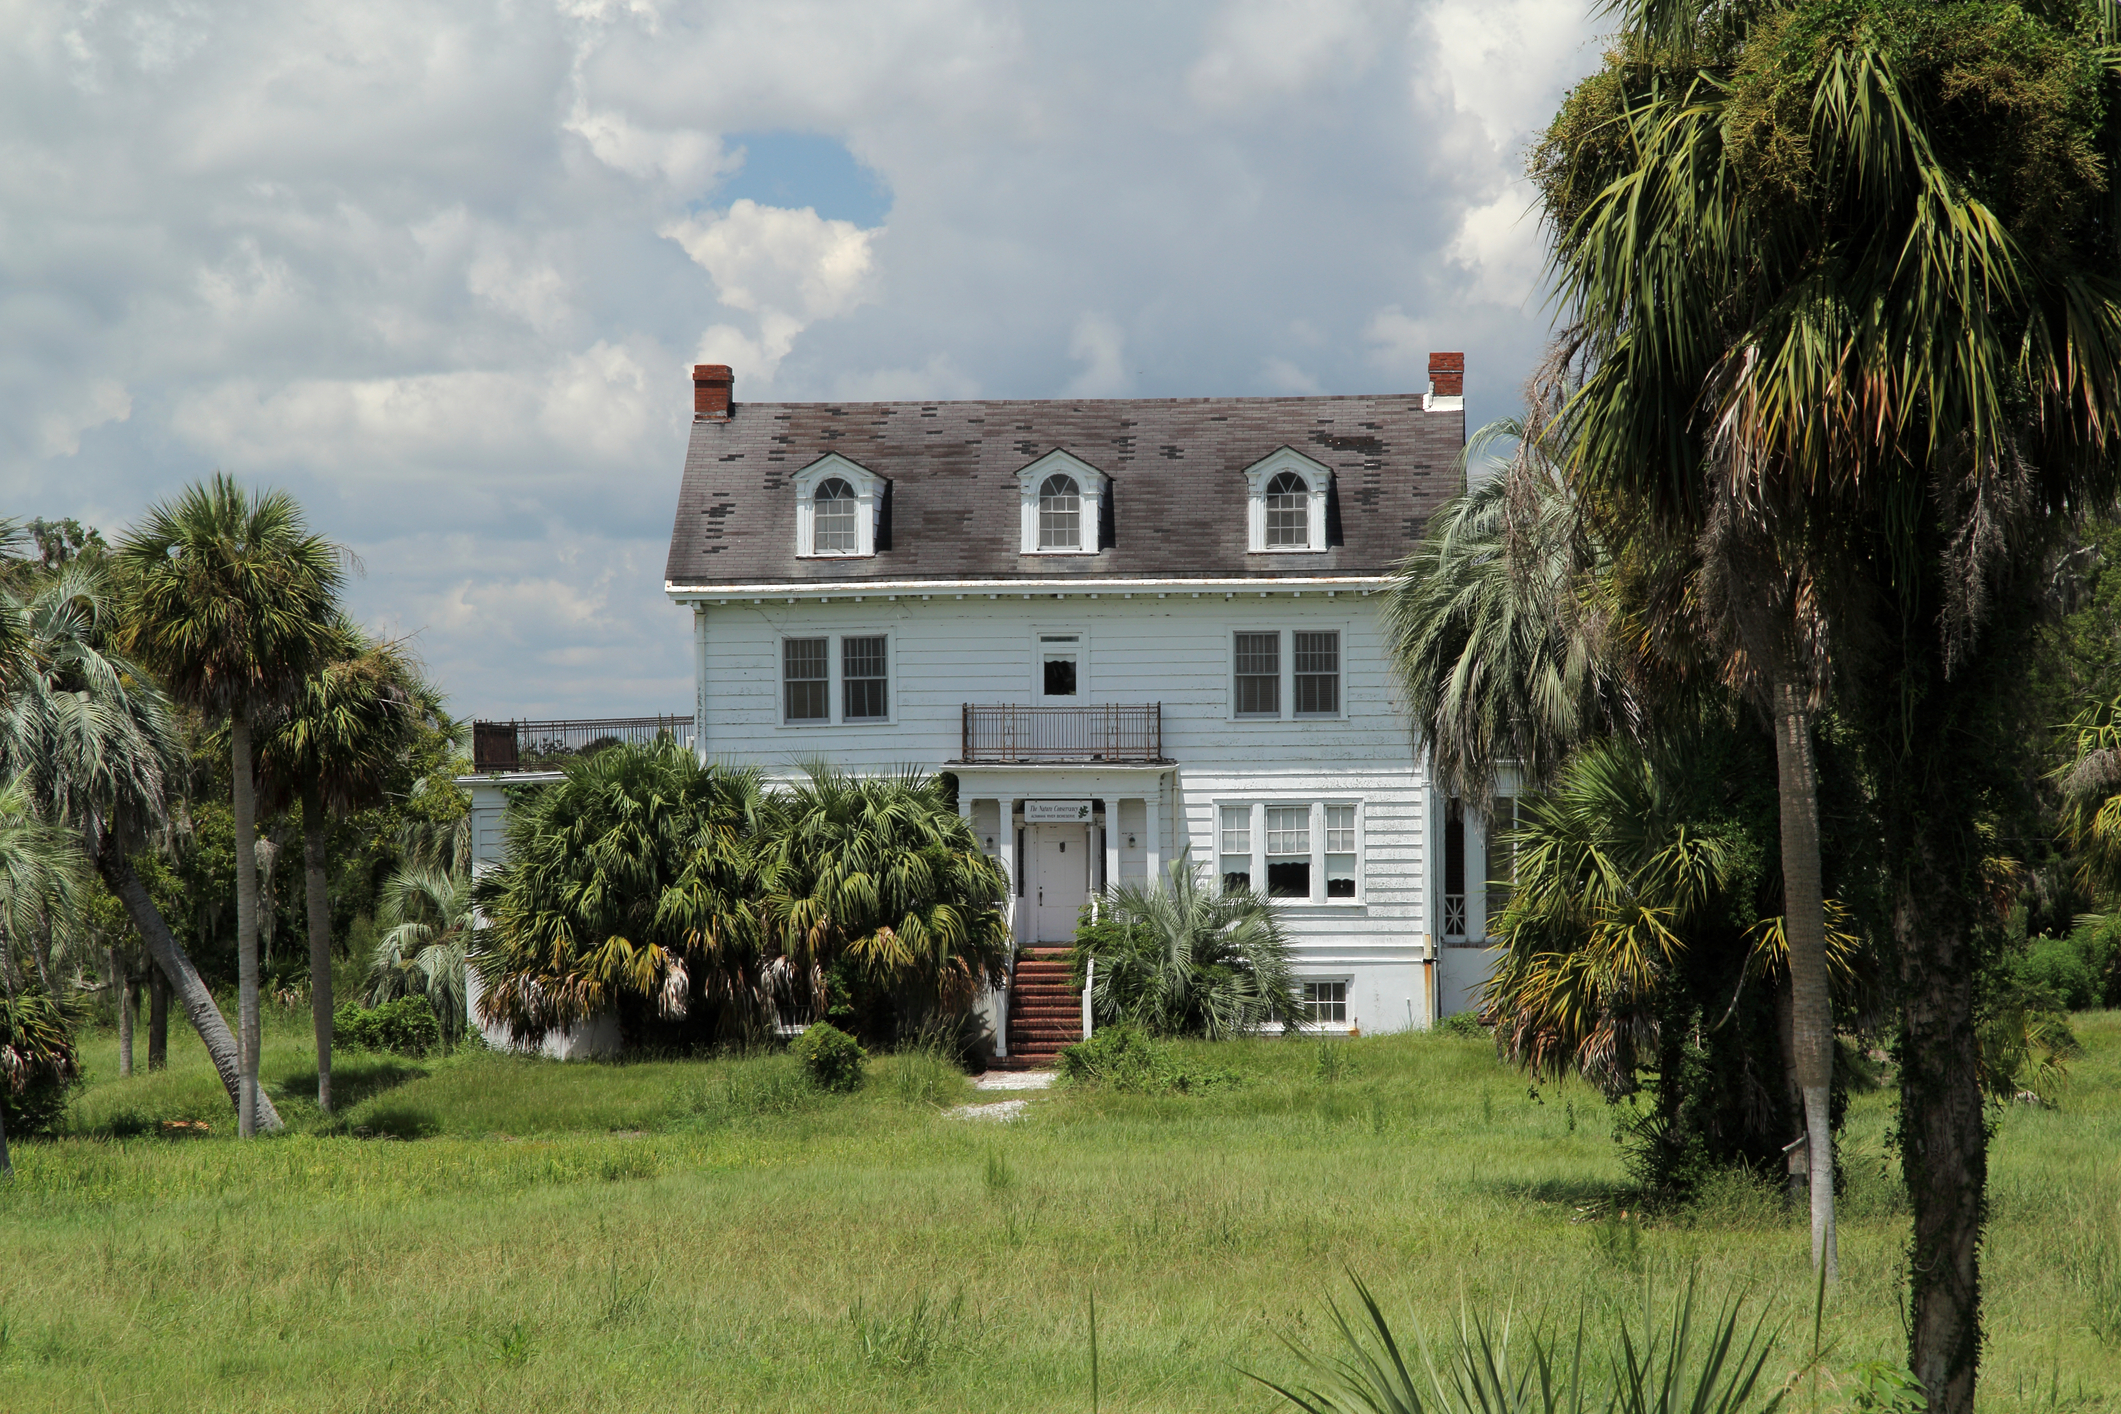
(1087, 477)
(836, 675)
(1038, 665)
(1317, 478)
(1257, 805)
(868, 506)
(1346, 980)
(1287, 665)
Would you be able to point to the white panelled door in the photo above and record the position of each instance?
(1060, 880)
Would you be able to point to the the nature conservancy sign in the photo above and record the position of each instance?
(1056, 812)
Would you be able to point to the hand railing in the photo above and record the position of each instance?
(1003, 732)
(548, 746)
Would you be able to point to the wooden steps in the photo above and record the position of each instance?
(1045, 1010)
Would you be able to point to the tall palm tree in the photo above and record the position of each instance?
(1184, 957)
(42, 878)
(1842, 288)
(234, 603)
(102, 754)
(426, 917)
(882, 871)
(333, 748)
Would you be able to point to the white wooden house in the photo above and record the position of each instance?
(1134, 630)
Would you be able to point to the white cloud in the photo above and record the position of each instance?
(788, 268)
(87, 405)
(1100, 345)
(1279, 48)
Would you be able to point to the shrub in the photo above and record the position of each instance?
(1182, 957)
(1129, 1061)
(38, 1064)
(832, 1058)
(2061, 967)
(1466, 1023)
(405, 1027)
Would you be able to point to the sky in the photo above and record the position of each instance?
(440, 270)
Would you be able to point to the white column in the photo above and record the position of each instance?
(1259, 848)
(1112, 839)
(1005, 851)
(699, 682)
(1152, 824)
(1318, 852)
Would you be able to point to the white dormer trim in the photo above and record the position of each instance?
(1093, 483)
(869, 505)
(1317, 478)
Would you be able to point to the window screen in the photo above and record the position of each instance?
(1237, 848)
(1060, 514)
(1317, 674)
(1289, 851)
(832, 525)
(1327, 1001)
(1340, 851)
(1288, 513)
(1258, 674)
(863, 680)
(806, 679)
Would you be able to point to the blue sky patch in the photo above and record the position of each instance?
(805, 169)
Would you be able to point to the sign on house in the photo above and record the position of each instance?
(1056, 812)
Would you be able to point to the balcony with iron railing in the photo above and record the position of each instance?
(509, 747)
(1117, 733)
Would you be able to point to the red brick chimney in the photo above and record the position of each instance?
(711, 383)
(1447, 375)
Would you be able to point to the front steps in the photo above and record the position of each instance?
(1045, 1010)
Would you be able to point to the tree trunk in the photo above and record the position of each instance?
(249, 1030)
(157, 1020)
(124, 983)
(314, 827)
(176, 968)
(1804, 925)
(1792, 1092)
(1943, 1139)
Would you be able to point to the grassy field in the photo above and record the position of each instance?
(491, 1233)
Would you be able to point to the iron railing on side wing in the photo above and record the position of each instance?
(547, 746)
(1004, 733)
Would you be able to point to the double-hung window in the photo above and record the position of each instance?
(1301, 851)
(850, 671)
(1273, 667)
(1326, 1003)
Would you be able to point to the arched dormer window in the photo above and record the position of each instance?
(1060, 514)
(837, 503)
(1285, 504)
(1063, 501)
(832, 525)
(1288, 513)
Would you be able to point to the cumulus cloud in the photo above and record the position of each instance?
(437, 266)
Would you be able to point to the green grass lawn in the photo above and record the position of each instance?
(493, 1233)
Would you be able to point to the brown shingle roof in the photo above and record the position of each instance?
(1177, 500)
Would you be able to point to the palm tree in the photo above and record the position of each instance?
(102, 755)
(333, 749)
(882, 871)
(233, 605)
(37, 1062)
(2091, 798)
(1183, 957)
(627, 886)
(1843, 298)
(426, 917)
(42, 880)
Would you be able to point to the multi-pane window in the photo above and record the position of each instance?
(832, 519)
(806, 679)
(1317, 674)
(1340, 851)
(1060, 514)
(1288, 513)
(864, 680)
(1326, 1003)
(1502, 857)
(1258, 659)
(1236, 841)
(1288, 851)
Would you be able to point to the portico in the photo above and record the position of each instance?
(1065, 835)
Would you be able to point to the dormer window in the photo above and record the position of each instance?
(837, 505)
(1285, 511)
(1063, 503)
(1060, 514)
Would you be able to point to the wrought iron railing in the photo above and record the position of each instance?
(547, 746)
(1002, 733)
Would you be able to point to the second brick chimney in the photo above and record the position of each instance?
(1447, 379)
(711, 384)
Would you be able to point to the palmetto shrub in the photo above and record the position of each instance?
(38, 1062)
(1183, 958)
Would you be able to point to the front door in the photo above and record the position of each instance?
(1059, 880)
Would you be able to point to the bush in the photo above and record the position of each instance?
(405, 1027)
(38, 1063)
(1128, 1061)
(1466, 1023)
(832, 1058)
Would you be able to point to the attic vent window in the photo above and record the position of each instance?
(1060, 514)
(835, 532)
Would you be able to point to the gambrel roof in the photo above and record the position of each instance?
(1175, 507)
